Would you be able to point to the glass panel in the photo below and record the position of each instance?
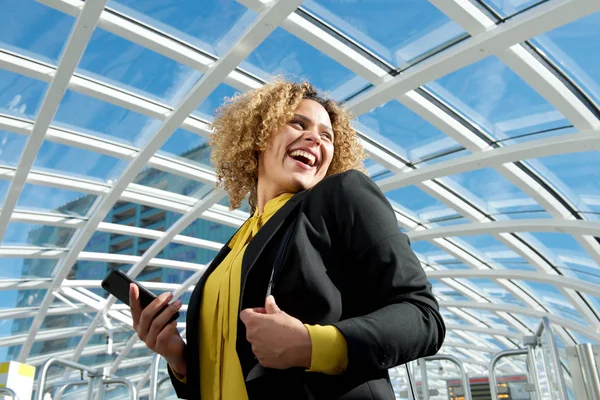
(85, 114)
(490, 248)
(507, 8)
(209, 230)
(581, 338)
(551, 298)
(441, 289)
(18, 268)
(119, 62)
(172, 183)
(576, 176)
(12, 327)
(245, 206)
(21, 234)
(423, 206)
(10, 353)
(180, 252)
(214, 26)
(433, 255)
(52, 29)
(21, 298)
(89, 270)
(564, 252)
(491, 192)
(491, 319)
(19, 95)
(572, 47)
(188, 146)
(283, 53)
(58, 158)
(207, 109)
(104, 242)
(43, 198)
(494, 98)
(492, 291)
(451, 318)
(11, 147)
(406, 133)
(397, 31)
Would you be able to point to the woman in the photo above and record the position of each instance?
(349, 299)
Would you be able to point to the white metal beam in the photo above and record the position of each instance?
(554, 225)
(555, 280)
(543, 18)
(76, 44)
(564, 144)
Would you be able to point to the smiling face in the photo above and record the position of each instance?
(298, 154)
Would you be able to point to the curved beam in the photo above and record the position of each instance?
(584, 141)
(574, 227)
(556, 280)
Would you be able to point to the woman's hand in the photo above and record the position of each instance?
(278, 340)
(153, 328)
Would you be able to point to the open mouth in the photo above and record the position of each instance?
(304, 157)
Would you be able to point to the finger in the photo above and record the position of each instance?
(271, 306)
(161, 320)
(259, 310)
(150, 312)
(134, 304)
(164, 337)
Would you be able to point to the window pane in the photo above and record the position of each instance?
(21, 298)
(491, 192)
(214, 26)
(76, 162)
(397, 31)
(551, 298)
(188, 146)
(52, 29)
(19, 95)
(172, 183)
(406, 133)
(119, 62)
(22, 234)
(576, 176)
(207, 109)
(18, 268)
(423, 206)
(574, 48)
(494, 98)
(11, 147)
(43, 198)
(283, 53)
(101, 119)
(506, 8)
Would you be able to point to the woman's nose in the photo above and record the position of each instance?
(313, 136)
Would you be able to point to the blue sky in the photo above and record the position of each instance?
(487, 93)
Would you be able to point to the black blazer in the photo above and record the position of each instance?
(347, 264)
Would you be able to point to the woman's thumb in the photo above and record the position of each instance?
(271, 306)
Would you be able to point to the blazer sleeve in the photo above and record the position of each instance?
(399, 319)
(180, 387)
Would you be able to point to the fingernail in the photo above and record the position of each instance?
(177, 303)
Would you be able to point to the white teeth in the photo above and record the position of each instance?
(308, 156)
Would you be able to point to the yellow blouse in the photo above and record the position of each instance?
(220, 370)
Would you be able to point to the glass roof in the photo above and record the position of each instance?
(506, 239)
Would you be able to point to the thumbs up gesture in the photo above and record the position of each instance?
(278, 340)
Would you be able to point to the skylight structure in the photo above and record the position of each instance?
(481, 119)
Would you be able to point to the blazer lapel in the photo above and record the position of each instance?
(265, 234)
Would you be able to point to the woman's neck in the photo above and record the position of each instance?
(266, 193)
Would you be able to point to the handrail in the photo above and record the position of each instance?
(458, 363)
(122, 381)
(154, 377)
(545, 325)
(492, 366)
(9, 392)
(43, 375)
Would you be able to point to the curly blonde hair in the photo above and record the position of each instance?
(244, 124)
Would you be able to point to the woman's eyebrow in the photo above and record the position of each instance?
(310, 121)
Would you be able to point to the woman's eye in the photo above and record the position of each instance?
(326, 135)
(298, 123)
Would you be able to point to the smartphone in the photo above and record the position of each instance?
(117, 283)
